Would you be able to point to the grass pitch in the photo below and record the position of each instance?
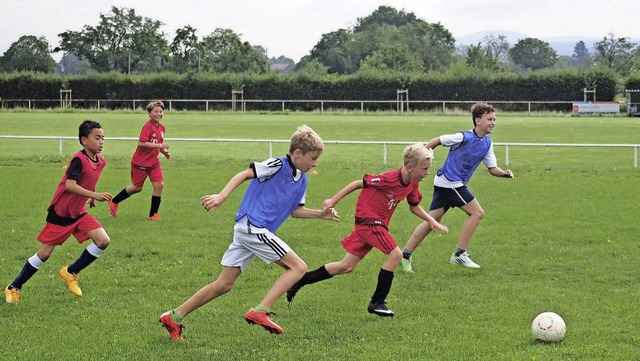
(561, 237)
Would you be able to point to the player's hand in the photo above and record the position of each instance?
(165, 146)
(104, 196)
(509, 174)
(91, 202)
(329, 214)
(168, 156)
(436, 226)
(211, 202)
(328, 203)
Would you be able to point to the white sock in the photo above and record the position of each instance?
(94, 250)
(35, 261)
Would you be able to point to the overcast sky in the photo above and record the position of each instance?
(293, 27)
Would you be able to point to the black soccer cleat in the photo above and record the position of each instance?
(380, 309)
(291, 294)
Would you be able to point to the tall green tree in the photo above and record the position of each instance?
(581, 55)
(616, 54)
(224, 52)
(343, 51)
(313, 70)
(433, 43)
(533, 54)
(499, 47)
(28, 53)
(185, 50)
(122, 41)
(481, 58)
(636, 59)
(333, 51)
(392, 59)
(385, 15)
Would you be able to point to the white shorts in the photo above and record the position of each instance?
(246, 246)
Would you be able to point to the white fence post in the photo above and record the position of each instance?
(506, 154)
(384, 149)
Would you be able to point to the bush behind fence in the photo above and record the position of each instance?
(115, 89)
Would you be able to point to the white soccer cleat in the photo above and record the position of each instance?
(464, 260)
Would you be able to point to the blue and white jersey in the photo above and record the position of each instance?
(276, 191)
(466, 151)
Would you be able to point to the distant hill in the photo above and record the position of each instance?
(562, 45)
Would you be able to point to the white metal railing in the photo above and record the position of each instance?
(282, 104)
(384, 144)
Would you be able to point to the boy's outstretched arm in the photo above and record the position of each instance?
(331, 202)
(498, 172)
(212, 201)
(433, 143)
(435, 225)
(329, 214)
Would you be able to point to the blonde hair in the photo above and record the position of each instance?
(306, 140)
(154, 104)
(417, 153)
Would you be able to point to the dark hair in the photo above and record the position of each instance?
(86, 127)
(479, 109)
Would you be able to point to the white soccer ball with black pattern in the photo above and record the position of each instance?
(548, 327)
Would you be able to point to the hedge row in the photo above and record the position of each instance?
(565, 85)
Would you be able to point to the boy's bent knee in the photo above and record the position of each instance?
(395, 255)
(102, 242)
(347, 268)
(299, 267)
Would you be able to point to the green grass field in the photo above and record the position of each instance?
(561, 237)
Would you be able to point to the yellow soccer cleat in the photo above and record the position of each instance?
(12, 295)
(72, 281)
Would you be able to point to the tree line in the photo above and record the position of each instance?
(386, 42)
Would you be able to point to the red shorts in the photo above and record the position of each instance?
(54, 235)
(139, 174)
(366, 237)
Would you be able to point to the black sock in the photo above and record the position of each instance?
(385, 278)
(27, 271)
(121, 196)
(318, 275)
(459, 251)
(155, 205)
(406, 254)
(81, 263)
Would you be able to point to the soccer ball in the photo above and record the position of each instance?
(548, 327)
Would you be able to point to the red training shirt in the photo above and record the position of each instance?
(70, 205)
(150, 133)
(380, 196)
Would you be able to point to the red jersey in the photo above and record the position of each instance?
(150, 133)
(381, 194)
(86, 173)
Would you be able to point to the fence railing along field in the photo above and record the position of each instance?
(318, 105)
(384, 144)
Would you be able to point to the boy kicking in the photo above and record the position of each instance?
(276, 191)
(376, 204)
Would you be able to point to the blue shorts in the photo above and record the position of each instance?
(450, 197)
